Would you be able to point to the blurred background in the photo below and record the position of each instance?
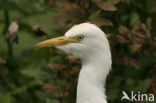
(32, 75)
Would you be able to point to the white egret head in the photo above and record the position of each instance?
(83, 41)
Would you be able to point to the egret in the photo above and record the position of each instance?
(89, 43)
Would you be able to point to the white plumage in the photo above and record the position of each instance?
(94, 52)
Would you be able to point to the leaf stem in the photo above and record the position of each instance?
(7, 22)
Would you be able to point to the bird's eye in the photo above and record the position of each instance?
(80, 37)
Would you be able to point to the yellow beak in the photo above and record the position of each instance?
(57, 42)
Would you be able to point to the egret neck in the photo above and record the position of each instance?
(92, 78)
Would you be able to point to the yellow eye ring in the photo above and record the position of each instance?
(80, 37)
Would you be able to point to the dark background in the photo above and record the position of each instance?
(32, 75)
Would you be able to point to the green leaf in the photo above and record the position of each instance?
(134, 19)
(51, 101)
(149, 23)
(95, 15)
(107, 6)
(32, 72)
(144, 85)
(7, 5)
(5, 98)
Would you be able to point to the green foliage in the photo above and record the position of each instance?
(5, 98)
(32, 75)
